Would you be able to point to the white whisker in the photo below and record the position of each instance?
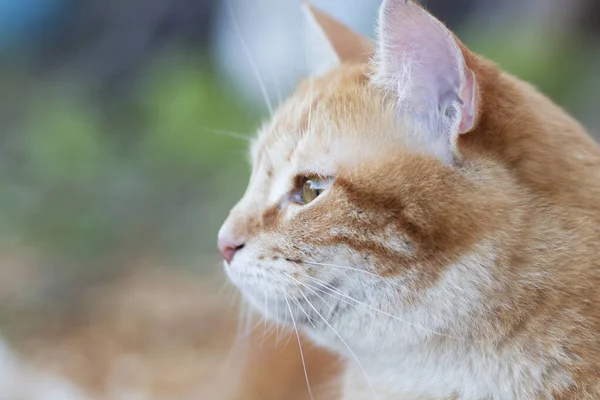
(303, 311)
(341, 267)
(339, 293)
(261, 83)
(345, 344)
(277, 322)
(286, 323)
(266, 308)
(300, 347)
(235, 135)
(380, 311)
(265, 319)
(253, 327)
(242, 314)
(234, 346)
(269, 333)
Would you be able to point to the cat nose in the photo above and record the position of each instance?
(228, 245)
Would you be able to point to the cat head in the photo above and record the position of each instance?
(391, 183)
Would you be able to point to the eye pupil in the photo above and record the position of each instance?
(309, 193)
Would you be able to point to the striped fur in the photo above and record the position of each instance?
(475, 280)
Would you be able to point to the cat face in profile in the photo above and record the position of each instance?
(354, 188)
(410, 206)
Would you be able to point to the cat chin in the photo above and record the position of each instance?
(278, 311)
(269, 305)
(274, 310)
(294, 312)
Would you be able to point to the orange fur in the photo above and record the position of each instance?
(525, 184)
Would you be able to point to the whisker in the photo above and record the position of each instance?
(253, 328)
(266, 308)
(261, 83)
(269, 333)
(232, 134)
(341, 267)
(246, 321)
(217, 267)
(331, 293)
(264, 318)
(235, 298)
(242, 313)
(312, 290)
(380, 279)
(303, 311)
(300, 347)
(345, 344)
(324, 284)
(305, 285)
(285, 323)
(234, 346)
(289, 337)
(224, 286)
(383, 312)
(277, 323)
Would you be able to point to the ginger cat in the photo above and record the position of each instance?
(429, 218)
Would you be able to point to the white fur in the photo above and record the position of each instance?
(405, 360)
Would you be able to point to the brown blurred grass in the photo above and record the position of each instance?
(162, 333)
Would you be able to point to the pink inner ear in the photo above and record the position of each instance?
(470, 104)
(419, 58)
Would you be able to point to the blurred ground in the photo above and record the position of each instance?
(154, 334)
(124, 130)
(151, 334)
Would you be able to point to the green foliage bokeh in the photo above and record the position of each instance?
(85, 184)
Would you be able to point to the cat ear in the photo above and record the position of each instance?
(331, 43)
(422, 62)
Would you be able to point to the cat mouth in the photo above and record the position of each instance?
(291, 297)
(311, 307)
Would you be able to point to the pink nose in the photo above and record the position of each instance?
(228, 246)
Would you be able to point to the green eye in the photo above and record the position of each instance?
(310, 191)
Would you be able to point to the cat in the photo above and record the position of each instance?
(429, 218)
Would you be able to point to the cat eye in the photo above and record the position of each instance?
(308, 188)
(310, 191)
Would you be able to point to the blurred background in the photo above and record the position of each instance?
(124, 127)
